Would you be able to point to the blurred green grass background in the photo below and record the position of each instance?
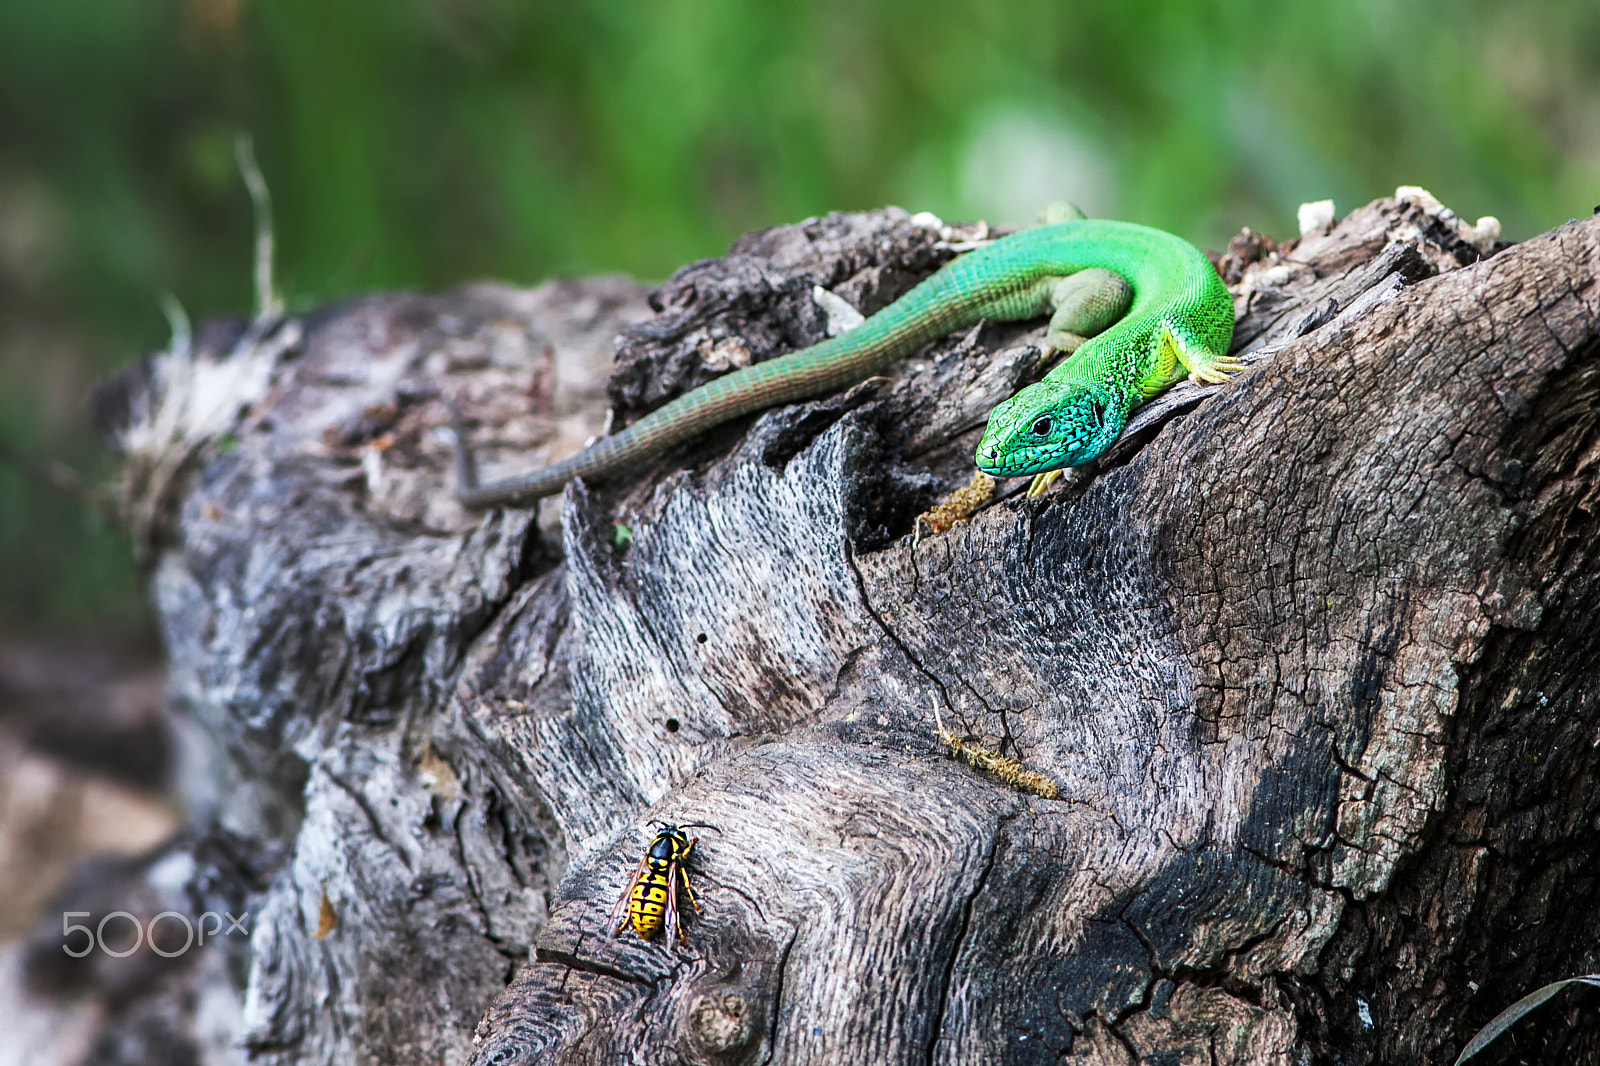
(420, 143)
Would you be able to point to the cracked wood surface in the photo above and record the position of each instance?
(1300, 656)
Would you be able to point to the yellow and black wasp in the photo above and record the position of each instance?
(651, 899)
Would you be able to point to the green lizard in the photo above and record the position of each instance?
(1154, 304)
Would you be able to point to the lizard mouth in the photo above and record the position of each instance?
(1019, 465)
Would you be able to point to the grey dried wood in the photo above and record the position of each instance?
(1309, 656)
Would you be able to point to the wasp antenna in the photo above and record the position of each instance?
(700, 825)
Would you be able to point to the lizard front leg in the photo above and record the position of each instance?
(1178, 345)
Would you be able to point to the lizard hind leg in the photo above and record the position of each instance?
(1086, 303)
(1061, 211)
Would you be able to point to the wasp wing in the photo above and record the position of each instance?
(619, 913)
(674, 872)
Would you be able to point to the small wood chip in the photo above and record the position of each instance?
(1012, 771)
(959, 506)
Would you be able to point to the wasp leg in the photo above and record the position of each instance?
(684, 873)
(687, 887)
(619, 913)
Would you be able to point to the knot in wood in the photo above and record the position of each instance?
(722, 1026)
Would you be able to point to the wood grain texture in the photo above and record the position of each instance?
(1309, 656)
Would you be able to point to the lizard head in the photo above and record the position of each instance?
(1050, 425)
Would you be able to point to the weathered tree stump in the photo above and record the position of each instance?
(1311, 657)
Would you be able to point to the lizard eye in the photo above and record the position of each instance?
(1041, 428)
